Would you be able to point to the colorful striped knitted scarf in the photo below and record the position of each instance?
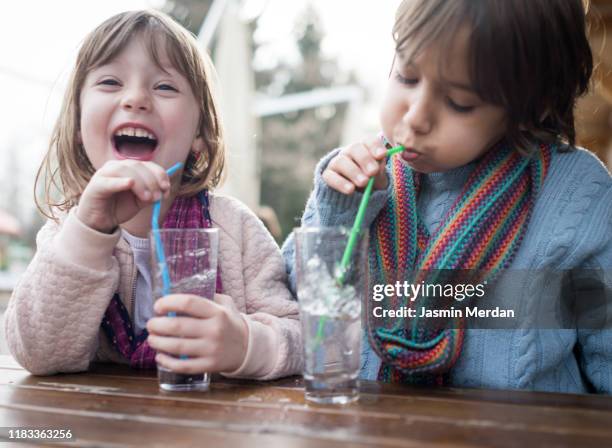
(184, 213)
(481, 231)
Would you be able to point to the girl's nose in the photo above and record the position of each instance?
(136, 98)
(419, 114)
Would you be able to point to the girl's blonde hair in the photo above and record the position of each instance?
(66, 166)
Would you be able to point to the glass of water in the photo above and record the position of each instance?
(330, 311)
(191, 268)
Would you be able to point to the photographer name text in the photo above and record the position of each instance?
(409, 293)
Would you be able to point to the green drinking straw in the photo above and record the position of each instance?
(350, 246)
(356, 230)
(161, 257)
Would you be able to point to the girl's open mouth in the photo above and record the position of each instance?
(134, 143)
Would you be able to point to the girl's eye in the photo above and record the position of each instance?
(459, 108)
(403, 80)
(166, 87)
(109, 82)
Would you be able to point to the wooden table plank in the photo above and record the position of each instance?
(580, 401)
(127, 430)
(376, 430)
(275, 413)
(383, 420)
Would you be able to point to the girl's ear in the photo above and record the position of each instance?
(78, 138)
(198, 146)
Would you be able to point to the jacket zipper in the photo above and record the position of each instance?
(130, 302)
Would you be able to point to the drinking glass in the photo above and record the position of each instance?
(190, 268)
(330, 302)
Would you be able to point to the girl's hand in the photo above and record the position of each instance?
(119, 190)
(214, 336)
(355, 164)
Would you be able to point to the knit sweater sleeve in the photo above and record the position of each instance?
(275, 344)
(54, 314)
(596, 344)
(327, 207)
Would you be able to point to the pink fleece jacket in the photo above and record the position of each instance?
(53, 318)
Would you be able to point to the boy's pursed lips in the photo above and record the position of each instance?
(410, 152)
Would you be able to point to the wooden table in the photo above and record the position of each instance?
(112, 406)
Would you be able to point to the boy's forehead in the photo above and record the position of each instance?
(452, 46)
(450, 57)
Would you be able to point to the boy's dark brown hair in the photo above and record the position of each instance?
(531, 57)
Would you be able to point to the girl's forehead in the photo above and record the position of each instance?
(154, 48)
(138, 46)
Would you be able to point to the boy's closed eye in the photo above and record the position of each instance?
(458, 107)
(408, 80)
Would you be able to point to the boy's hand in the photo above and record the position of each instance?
(355, 164)
(214, 336)
(119, 190)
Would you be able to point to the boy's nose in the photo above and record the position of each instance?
(136, 99)
(419, 114)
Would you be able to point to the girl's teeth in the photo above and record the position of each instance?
(134, 132)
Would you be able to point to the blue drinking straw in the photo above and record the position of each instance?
(161, 257)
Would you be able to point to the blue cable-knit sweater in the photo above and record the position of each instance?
(571, 227)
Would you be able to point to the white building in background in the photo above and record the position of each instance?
(241, 110)
(237, 88)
